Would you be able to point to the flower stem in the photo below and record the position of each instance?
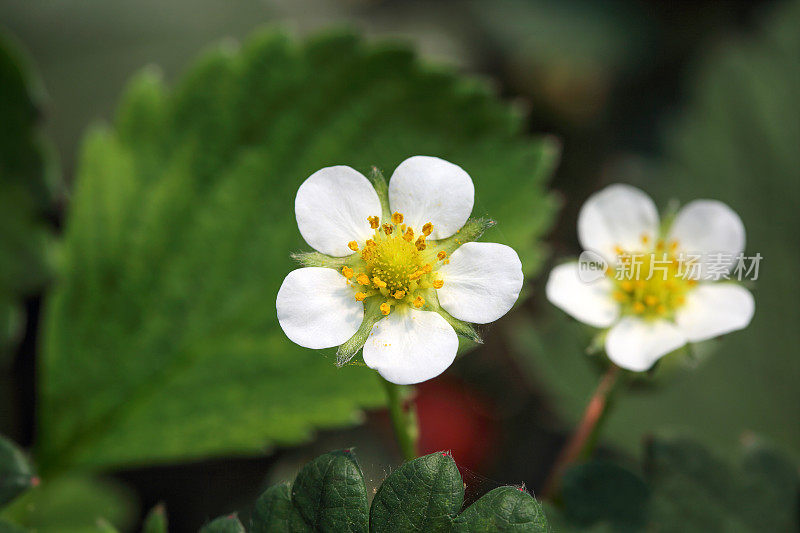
(404, 420)
(585, 435)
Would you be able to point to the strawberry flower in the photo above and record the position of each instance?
(396, 270)
(673, 296)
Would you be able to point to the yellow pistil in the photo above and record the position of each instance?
(395, 266)
(651, 284)
(347, 272)
(353, 245)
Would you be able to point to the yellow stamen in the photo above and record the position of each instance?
(427, 268)
(409, 234)
(420, 244)
(638, 307)
(427, 229)
(645, 238)
(363, 279)
(374, 222)
(360, 296)
(379, 282)
(619, 296)
(347, 272)
(397, 218)
(386, 308)
(353, 245)
(419, 302)
(399, 295)
(438, 284)
(415, 275)
(387, 229)
(650, 300)
(627, 286)
(441, 255)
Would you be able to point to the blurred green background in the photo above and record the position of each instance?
(686, 100)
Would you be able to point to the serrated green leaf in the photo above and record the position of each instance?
(180, 232)
(503, 509)
(274, 512)
(601, 492)
(156, 520)
(72, 505)
(224, 524)
(424, 494)
(330, 494)
(16, 472)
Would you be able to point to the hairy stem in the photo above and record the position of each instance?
(404, 420)
(585, 435)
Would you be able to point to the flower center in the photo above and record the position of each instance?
(395, 264)
(652, 284)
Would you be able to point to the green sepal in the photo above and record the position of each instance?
(382, 188)
(372, 313)
(472, 231)
(422, 495)
(16, 472)
(503, 509)
(463, 329)
(316, 259)
(224, 524)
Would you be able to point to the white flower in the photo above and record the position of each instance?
(665, 304)
(397, 272)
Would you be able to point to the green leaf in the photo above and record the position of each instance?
(16, 472)
(27, 179)
(686, 488)
(330, 495)
(156, 520)
(422, 495)
(180, 231)
(694, 490)
(503, 509)
(601, 492)
(224, 524)
(274, 512)
(73, 505)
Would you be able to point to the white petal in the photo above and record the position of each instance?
(317, 309)
(411, 346)
(713, 231)
(713, 309)
(481, 282)
(590, 303)
(617, 216)
(428, 189)
(636, 344)
(332, 207)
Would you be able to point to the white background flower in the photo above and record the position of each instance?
(623, 218)
(478, 282)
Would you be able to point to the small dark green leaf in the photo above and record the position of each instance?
(274, 512)
(156, 520)
(503, 509)
(602, 492)
(224, 524)
(16, 472)
(330, 494)
(422, 495)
